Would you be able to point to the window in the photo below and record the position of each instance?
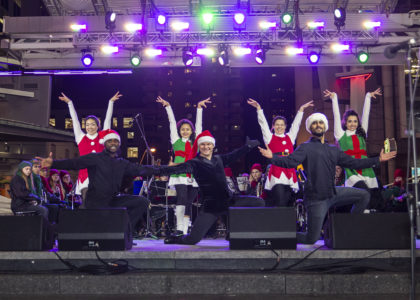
(187, 104)
(52, 122)
(130, 135)
(127, 122)
(83, 123)
(68, 123)
(114, 122)
(132, 152)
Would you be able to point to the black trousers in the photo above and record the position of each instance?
(185, 195)
(281, 195)
(205, 220)
(136, 206)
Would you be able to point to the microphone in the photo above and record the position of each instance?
(136, 116)
(391, 51)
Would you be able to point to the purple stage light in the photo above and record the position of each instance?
(78, 27)
(340, 47)
(133, 27)
(293, 51)
(316, 24)
(205, 51)
(179, 26)
(87, 60)
(151, 52)
(240, 51)
(371, 24)
(239, 18)
(108, 49)
(260, 56)
(313, 57)
(161, 19)
(267, 25)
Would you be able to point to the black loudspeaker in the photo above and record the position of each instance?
(368, 231)
(25, 233)
(262, 228)
(94, 229)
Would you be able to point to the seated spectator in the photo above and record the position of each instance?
(55, 185)
(256, 184)
(231, 181)
(393, 193)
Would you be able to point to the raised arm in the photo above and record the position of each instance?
(78, 133)
(366, 107)
(172, 122)
(237, 153)
(294, 129)
(265, 129)
(199, 116)
(338, 130)
(109, 111)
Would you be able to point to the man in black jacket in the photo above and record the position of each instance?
(106, 172)
(319, 160)
(208, 171)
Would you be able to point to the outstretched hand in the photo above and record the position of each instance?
(306, 105)
(116, 97)
(203, 103)
(329, 94)
(254, 103)
(162, 101)
(46, 162)
(387, 156)
(375, 93)
(266, 152)
(64, 98)
(252, 143)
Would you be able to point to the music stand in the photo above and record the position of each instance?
(160, 189)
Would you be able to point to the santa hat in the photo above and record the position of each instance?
(228, 172)
(316, 117)
(256, 167)
(53, 172)
(204, 137)
(108, 134)
(63, 173)
(399, 173)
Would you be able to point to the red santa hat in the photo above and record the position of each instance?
(204, 137)
(399, 173)
(108, 134)
(228, 172)
(256, 167)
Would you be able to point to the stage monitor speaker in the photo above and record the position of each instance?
(94, 229)
(262, 228)
(25, 233)
(368, 231)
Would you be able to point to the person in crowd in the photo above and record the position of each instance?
(280, 181)
(231, 181)
(66, 181)
(23, 192)
(319, 160)
(56, 186)
(208, 170)
(88, 142)
(256, 182)
(393, 194)
(182, 136)
(107, 171)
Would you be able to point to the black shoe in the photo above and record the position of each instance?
(173, 239)
(178, 233)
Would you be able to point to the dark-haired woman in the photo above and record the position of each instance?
(88, 142)
(350, 134)
(280, 181)
(183, 135)
(23, 192)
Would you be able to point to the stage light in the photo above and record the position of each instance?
(133, 27)
(108, 49)
(316, 24)
(160, 22)
(371, 25)
(340, 47)
(313, 57)
(161, 19)
(267, 25)
(287, 18)
(205, 51)
(260, 56)
(223, 58)
(239, 21)
(207, 18)
(135, 60)
(151, 52)
(362, 57)
(78, 27)
(339, 17)
(87, 59)
(179, 26)
(110, 18)
(240, 51)
(187, 58)
(293, 51)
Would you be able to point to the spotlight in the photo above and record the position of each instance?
(87, 59)
(223, 58)
(339, 17)
(78, 27)
(207, 18)
(187, 58)
(287, 18)
(240, 51)
(239, 21)
(267, 25)
(205, 51)
(160, 22)
(110, 18)
(133, 27)
(362, 57)
(179, 26)
(316, 24)
(371, 25)
(260, 56)
(340, 47)
(135, 60)
(313, 57)
(108, 49)
(151, 52)
(294, 50)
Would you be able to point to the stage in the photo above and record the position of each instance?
(208, 268)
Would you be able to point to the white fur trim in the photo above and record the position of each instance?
(111, 136)
(206, 139)
(316, 117)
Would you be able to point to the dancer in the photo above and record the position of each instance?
(182, 137)
(351, 134)
(280, 180)
(319, 160)
(88, 142)
(208, 170)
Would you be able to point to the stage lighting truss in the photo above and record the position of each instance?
(223, 57)
(110, 18)
(187, 57)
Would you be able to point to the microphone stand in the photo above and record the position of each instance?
(148, 181)
(412, 200)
